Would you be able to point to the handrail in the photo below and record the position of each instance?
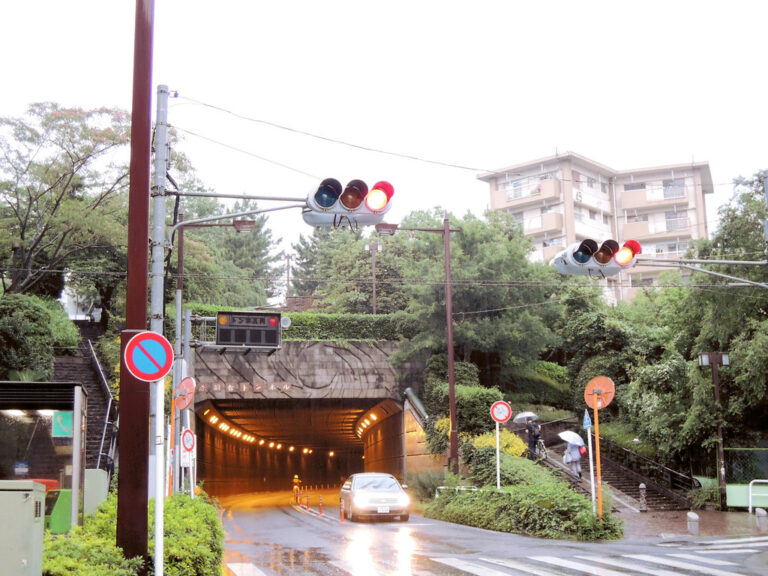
(750, 492)
(664, 476)
(456, 489)
(105, 385)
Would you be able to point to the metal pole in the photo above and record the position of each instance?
(715, 359)
(454, 437)
(498, 459)
(132, 510)
(373, 269)
(157, 414)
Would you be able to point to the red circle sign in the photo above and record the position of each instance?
(185, 393)
(501, 411)
(188, 440)
(148, 356)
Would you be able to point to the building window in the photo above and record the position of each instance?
(676, 220)
(604, 188)
(605, 218)
(592, 215)
(634, 186)
(674, 188)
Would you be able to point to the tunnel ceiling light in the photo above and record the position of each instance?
(305, 450)
(291, 449)
(373, 417)
(331, 453)
(279, 446)
(271, 444)
(261, 442)
(206, 412)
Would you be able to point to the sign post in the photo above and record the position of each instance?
(598, 394)
(500, 412)
(587, 425)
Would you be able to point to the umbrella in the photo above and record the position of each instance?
(523, 416)
(571, 437)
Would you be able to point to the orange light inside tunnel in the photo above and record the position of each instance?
(291, 449)
(331, 453)
(261, 442)
(373, 416)
(271, 444)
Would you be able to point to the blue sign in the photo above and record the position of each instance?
(587, 421)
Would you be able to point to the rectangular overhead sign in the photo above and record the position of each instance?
(248, 329)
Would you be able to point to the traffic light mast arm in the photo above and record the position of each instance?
(173, 229)
(686, 263)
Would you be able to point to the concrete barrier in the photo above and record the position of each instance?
(761, 519)
(693, 523)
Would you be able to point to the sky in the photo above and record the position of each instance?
(443, 90)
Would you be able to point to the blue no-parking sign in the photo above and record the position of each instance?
(148, 356)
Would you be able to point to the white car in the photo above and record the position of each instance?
(374, 495)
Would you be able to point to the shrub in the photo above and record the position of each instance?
(193, 542)
(26, 338)
(549, 509)
(423, 485)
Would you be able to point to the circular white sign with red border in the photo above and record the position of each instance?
(501, 411)
(188, 440)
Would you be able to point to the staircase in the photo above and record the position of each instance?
(627, 482)
(82, 368)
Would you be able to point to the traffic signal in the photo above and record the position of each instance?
(249, 329)
(353, 205)
(588, 258)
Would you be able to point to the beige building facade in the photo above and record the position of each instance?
(567, 198)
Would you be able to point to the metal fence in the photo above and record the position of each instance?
(742, 465)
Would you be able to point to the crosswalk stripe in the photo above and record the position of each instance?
(737, 551)
(713, 561)
(736, 546)
(684, 565)
(469, 567)
(589, 569)
(351, 569)
(633, 566)
(738, 540)
(521, 566)
(240, 569)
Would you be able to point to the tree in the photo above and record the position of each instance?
(61, 187)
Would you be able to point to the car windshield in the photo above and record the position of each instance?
(382, 483)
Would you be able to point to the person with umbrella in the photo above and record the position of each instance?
(534, 432)
(572, 455)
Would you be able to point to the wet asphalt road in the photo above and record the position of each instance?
(266, 536)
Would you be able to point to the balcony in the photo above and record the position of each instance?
(645, 200)
(550, 223)
(545, 191)
(677, 228)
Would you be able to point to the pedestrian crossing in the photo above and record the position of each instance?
(696, 558)
(689, 558)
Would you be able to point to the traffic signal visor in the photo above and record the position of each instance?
(352, 205)
(588, 258)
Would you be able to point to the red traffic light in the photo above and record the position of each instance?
(353, 205)
(627, 253)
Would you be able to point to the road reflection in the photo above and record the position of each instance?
(364, 544)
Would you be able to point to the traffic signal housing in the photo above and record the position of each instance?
(353, 205)
(588, 258)
(249, 330)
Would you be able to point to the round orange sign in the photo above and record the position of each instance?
(599, 392)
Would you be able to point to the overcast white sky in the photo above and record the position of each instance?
(481, 84)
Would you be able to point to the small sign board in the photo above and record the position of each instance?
(185, 393)
(187, 447)
(148, 356)
(501, 411)
(587, 424)
(62, 425)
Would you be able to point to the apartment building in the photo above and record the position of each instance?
(566, 198)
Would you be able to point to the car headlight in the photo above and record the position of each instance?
(361, 500)
(403, 500)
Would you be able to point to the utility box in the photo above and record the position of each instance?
(22, 507)
(58, 504)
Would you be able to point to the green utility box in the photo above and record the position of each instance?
(58, 511)
(21, 531)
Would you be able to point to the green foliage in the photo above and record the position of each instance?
(194, 538)
(538, 382)
(546, 507)
(423, 485)
(85, 554)
(193, 542)
(26, 337)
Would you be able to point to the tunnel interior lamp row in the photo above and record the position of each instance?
(217, 422)
(364, 422)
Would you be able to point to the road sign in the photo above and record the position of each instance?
(185, 393)
(188, 447)
(587, 424)
(599, 392)
(148, 356)
(501, 411)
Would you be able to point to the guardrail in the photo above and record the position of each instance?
(456, 489)
(677, 482)
(751, 493)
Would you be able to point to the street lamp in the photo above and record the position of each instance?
(716, 359)
(373, 248)
(388, 230)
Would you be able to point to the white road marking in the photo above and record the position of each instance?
(632, 566)
(706, 560)
(684, 565)
(469, 567)
(588, 568)
(516, 565)
(245, 569)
